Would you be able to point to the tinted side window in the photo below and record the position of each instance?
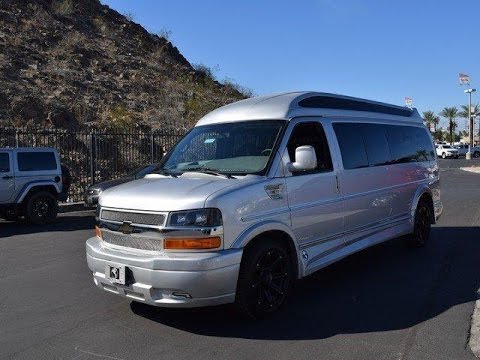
(402, 144)
(351, 144)
(36, 161)
(311, 134)
(425, 151)
(409, 144)
(4, 162)
(376, 144)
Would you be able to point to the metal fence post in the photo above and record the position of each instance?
(152, 148)
(92, 157)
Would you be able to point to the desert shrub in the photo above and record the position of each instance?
(63, 7)
(165, 33)
(129, 16)
(206, 72)
(119, 116)
(232, 84)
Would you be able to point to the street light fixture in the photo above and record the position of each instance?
(468, 155)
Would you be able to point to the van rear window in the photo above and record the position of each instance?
(36, 161)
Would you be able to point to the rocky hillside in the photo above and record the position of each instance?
(70, 63)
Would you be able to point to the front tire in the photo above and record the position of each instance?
(265, 279)
(444, 156)
(422, 225)
(476, 154)
(41, 208)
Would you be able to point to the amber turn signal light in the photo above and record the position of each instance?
(98, 232)
(192, 243)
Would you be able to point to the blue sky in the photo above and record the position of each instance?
(378, 49)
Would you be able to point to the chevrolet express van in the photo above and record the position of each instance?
(262, 192)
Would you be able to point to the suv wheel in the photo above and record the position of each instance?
(444, 156)
(265, 278)
(41, 208)
(476, 154)
(422, 225)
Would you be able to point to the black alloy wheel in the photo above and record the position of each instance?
(42, 208)
(422, 225)
(266, 276)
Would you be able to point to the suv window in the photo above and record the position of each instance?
(352, 147)
(36, 161)
(311, 133)
(4, 162)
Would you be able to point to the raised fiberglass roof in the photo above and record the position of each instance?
(306, 103)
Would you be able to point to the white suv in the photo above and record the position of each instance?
(31, 184)
(446, 151)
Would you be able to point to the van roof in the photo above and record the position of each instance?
(307, 103)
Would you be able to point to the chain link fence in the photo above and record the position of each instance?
(98, 155)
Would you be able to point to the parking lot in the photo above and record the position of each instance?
(389, 302)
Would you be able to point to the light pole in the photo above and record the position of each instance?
(468, 155)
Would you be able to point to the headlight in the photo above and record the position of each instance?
(199, 217)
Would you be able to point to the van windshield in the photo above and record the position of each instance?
(236, 148)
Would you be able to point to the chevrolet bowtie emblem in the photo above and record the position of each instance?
(126, 228)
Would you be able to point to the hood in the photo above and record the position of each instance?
(110, 183)
(163, 193)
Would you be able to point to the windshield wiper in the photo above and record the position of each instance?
(209, 171)
(164, 172)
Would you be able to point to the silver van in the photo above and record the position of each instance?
(262, 192)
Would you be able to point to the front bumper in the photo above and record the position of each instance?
(450, 154)
(168, 279)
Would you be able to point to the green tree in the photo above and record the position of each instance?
(438, 136)
(430, 119)
(464, 114)
(450, 113)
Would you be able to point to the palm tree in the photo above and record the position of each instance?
(451, 113)
(475, 113)
(430, 119)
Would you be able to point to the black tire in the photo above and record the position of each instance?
(265, 279)
(41, 208)
(476, 154)
(456, 157)
(422, 225)
(444, 156)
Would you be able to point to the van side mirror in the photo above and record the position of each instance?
(305, 159)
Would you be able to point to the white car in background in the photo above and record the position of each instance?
(446, 151)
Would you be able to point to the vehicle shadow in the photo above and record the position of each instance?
(62, 223)
(388, 287)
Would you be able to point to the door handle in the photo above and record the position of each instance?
(337, 185)
(7, 177)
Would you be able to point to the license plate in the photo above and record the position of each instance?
(115, 273)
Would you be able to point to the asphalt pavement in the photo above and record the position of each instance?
(388, 302)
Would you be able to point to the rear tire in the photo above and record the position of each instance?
(265, 279)
(422, 225)
(41, 208)
(476, 154)
(444, 156)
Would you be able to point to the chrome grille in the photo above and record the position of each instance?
(133, 217)
(132, 241)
